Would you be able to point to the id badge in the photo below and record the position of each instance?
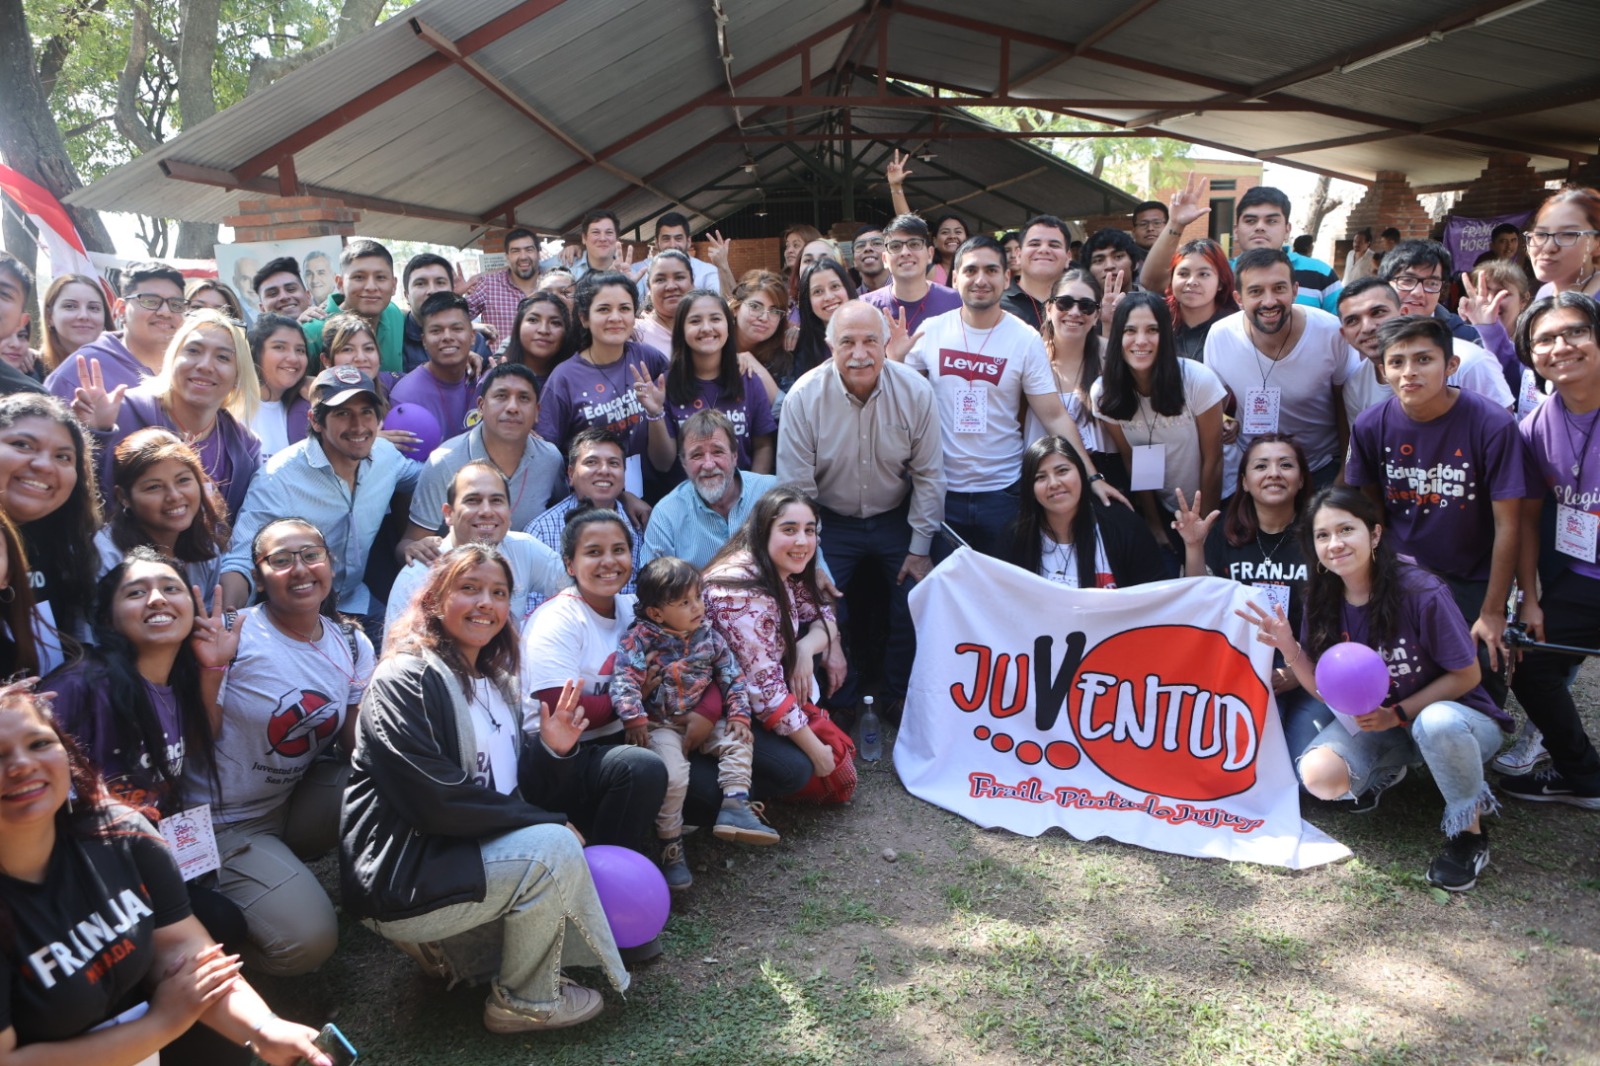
(1277, 596)
(1260, 413)
(972, 409)
(1576, 532)
(1149, 467)
(192, 840)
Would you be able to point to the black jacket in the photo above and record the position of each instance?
(412, 817)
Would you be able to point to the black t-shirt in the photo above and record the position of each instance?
(1271, 559)
(84, 937)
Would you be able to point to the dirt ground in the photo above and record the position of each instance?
(973, 946)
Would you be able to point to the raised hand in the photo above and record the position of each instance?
(717, 253)
(561, 728)
(1190, 522)
(652, 393)
(460, 282)
(215, 640)
(901, 340)
(1114, 283)
(896, 171)
(1272, 629)
(1193, 201)
(91, 403)
(1478, 305)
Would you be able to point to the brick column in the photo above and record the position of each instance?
(287, 218)
(1390, 202)
(1507, 185)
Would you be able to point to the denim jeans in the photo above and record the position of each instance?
(883, 540)
(982, 519)
(537, 887)
(1303, 717)
(1452, 739)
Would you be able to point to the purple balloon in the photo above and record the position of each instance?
(1352, 679)
(415, 418)
(632, 891)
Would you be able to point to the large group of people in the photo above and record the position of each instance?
(669, 531)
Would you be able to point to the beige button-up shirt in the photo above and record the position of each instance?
(863, 458)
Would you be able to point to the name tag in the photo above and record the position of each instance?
(1149, 467)
(1576, 532)
(972, 409)
(1260, 413)
(193, 843)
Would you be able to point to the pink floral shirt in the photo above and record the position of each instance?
(748, 620)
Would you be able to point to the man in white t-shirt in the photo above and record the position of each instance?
(1365, 305)
(986, 366)
(1285, 364)
(477, 510)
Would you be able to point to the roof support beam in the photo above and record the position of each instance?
(225, 179)
(947, 135)
(1090, 39)
(1372, 51)
(948, 102)
(387, 90)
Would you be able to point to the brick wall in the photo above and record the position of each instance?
(1390, 202)
(1508, 184)
(287, 218)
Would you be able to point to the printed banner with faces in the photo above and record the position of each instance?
(1141, 714)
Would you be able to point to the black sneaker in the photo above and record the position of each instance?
(1382, 781)
(1459, 864)
(1549, 785)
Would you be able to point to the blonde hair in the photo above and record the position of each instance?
(245, 397)
(1505, 274)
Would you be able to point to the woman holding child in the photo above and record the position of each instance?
(438, 837)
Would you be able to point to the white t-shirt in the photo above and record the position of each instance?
(1304, 377)
(283, 701)
(1201, 392)
(981, 378)
(1478, 372)
(535, 568)
(496, 738)
(567, 639)
(1082, 417)
(271, 424)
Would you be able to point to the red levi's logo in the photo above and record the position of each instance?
(972, 367)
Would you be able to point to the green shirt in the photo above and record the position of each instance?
(391, 336)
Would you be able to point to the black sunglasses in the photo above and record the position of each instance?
(1084, 305)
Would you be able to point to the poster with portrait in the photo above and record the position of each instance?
(318, 258)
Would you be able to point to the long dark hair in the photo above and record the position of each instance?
(1240, 524)
(1030, 522)
(752, 539)
(933, 229)
(588, 289)
(516, 353)
(1324, 601)
(113, 663)
(812, 347)
(1569, 300)
(1119, 399)
(681, 386)
(207, 535)
(62, 542)
(770, 353)
(1093, 343)
(261, 331)
(17, 651)
(421, 628)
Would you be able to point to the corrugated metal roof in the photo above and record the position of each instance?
(626, 80)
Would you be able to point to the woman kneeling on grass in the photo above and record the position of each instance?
(437, 837)
(1438, 713)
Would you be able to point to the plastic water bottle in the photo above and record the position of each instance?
(871, 749)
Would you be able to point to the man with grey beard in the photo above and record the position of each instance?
(700, 515)
(861, 436)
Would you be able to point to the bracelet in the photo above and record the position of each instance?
(1299, 653)
(250, 1045)
(1096, 476)
(648, 417)
(1400, 713)
(224, 666)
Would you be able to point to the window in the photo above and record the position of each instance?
(1221, 222)
(1223, 184)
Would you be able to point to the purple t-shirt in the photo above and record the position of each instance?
(1431, 639)
(83, 710)
(751, 419)
(1439, 478)
(1555, 440)
(449, 404)
(580, 395)
(940, 298)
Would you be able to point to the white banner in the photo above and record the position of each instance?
(1141, 714)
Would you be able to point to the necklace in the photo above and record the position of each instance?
(481, 698)
(313, 643)
(617, 390)
(1579, 453)
(1266, 555)
(1061, 560)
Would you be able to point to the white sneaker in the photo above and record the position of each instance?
(1525, 752)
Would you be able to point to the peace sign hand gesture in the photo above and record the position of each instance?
(1188, 521)
(1272, 629)
(1115, 279)
(1477, 305)
(91, 403)
(652, 394)
(1192, 202)
(215, 640)
(717, 253)
(901, 340)
(896, 171)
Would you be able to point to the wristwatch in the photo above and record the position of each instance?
(1096, 476)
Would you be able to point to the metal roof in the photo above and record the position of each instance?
(461, 114)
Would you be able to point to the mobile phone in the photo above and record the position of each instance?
(331, 1042)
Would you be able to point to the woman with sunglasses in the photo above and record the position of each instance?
(1564, 243)
(282, 683)
(1073, 343)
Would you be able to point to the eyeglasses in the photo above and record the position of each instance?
(759, 310)
(151, 302)
(284, 560)
(1407, 283)
(869, 242)
(1564, 239)
(1084, 305)
(915, 244)
(1573, 335)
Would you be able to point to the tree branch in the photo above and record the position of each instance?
(128, 120)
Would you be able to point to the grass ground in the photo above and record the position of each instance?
(982, 947)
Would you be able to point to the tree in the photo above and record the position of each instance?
(123, 76)
(1132, 162)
